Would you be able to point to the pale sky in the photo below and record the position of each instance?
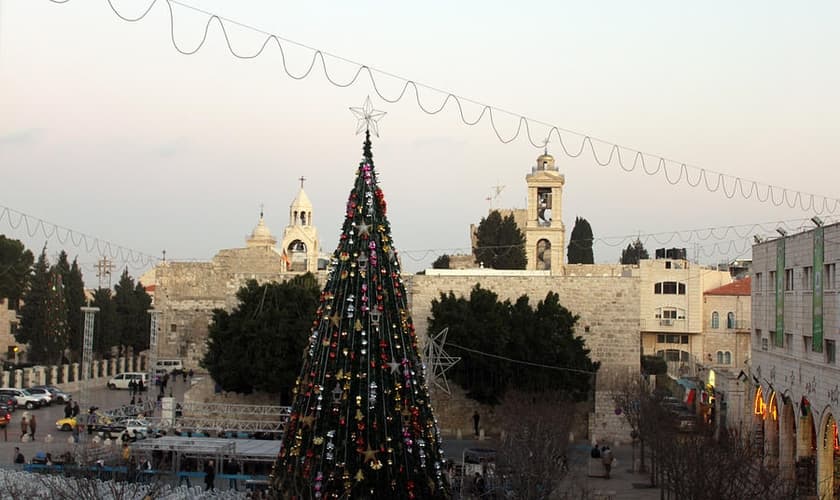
(106, 129)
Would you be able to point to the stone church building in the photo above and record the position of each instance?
(186, 293)
(606, 297)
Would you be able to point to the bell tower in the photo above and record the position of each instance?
(300, 239)
(545, 234)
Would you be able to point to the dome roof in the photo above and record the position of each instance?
(261, 235)
(545, 162)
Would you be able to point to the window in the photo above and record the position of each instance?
(830, 353)
(807, 278)
(829, 278)
(173, 328)
(788, 280)
(667, 264)
(684, 339)
(720, 357)
(727, 358)
(660, 339)
(715, 320)
(771, 283)
(758, 282)
(764, 343)
(669, 288)
(806, 340)
(730, 320)
(672, 339)
(669, 313)
(788, 342)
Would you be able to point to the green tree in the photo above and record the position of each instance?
(500, 243)
(140, 309)
(265, 334)
(634, 253)
(105, 326)
(15, 269)
(442, 262)
(580, 243)
(32, 328)
(74, 299)
(54, 341)
(491, 330)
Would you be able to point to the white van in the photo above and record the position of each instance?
(170, 366)
(122, 380)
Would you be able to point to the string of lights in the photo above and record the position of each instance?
(518, 361)
(722, 240)
(91, 244)
(538, 133)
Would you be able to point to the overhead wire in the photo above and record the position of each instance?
(713, 181)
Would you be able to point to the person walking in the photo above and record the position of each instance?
(476, 418)
(76, 433)
(607, 459)
(76, 409)
(33, 424)
(68, 410)
(24, 426)
(209, 475)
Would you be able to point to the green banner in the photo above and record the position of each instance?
(779, 339)
(817, 299)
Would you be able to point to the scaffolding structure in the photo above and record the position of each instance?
(87, 352)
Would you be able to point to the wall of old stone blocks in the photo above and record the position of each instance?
(608, 307)
(8, 317)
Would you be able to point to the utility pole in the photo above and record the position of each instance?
(153, 335)
(104, 268)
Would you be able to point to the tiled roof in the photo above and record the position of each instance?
(739, 287)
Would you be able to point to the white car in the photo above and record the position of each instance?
(122, 380)
(135, 428)
(24, 398)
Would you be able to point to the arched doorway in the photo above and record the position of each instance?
(543, 255)
(827, 451)
(771, 433)
(757, 431)
(787, 440)
(806, 451)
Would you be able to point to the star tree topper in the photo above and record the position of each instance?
(439, 361)
(367, 117)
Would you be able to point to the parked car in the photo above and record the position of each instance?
(135, 428)
(5, 415)
(24, 398)
(122, 380)
(58, 396)
(170, 366)
(9, 401)
(41, 393)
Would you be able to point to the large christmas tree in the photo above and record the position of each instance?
(361, 424)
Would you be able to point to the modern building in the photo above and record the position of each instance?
(673, 318)
(793, 376)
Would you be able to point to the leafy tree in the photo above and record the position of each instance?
(54, 342)
(544, 335)
(15, 269)
(141, 305)
(259, 345)
(500, 243)
(634, 253)
(580, 243)
(74, 299)
(105, 327)
(441, 262)
(32, 328)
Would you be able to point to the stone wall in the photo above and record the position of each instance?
(8, 317)
(608, 307)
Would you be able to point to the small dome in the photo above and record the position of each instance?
(545, 162)
(261, 235)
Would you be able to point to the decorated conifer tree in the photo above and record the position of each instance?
(361, 424)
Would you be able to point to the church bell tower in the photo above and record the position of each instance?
(545, 234)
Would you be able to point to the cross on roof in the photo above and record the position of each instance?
(301, 179)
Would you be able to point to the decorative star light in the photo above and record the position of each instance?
(367, 117)
(439, 361)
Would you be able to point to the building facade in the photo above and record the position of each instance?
(793, 377)
(9, 321)
(672, 318)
